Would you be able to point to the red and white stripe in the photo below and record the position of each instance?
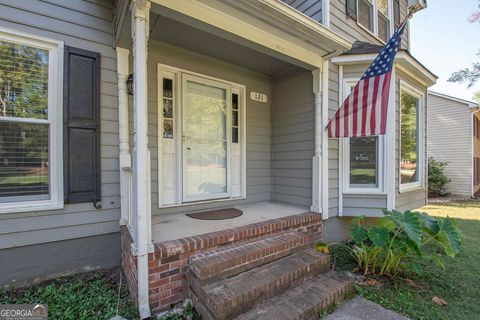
(364, 112)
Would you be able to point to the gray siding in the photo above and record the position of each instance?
(333, 164)
(86, 25)
(258, 129)
(311, 8)
(293, 137)
(417, 198)
(30, 264)
(347, 27)
(450, 139)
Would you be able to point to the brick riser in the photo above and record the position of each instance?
(230, 297)
(231, 260)
(169, 263)
(307, 301)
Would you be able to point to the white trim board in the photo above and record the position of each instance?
(420, 185)
(264, 24)
(174, 197)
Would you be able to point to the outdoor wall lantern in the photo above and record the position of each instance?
(130, 84)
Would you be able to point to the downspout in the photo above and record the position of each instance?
(390, 146)
(472, 153)
(340, 147)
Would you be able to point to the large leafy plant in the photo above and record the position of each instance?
(384, 248)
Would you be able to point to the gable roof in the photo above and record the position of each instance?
(366, 52)
(470, 104)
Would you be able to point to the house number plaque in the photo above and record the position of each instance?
(260, 97)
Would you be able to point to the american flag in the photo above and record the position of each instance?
(364, 111)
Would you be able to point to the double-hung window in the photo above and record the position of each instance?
(30, 123)
(363, 159)
(373, 15)
(383, 20)
(411, 138)
(365, 14)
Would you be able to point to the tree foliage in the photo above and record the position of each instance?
(469, 75)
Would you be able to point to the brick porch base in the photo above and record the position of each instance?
(169, 263)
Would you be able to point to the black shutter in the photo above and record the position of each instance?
(351, 8)
(81, 126)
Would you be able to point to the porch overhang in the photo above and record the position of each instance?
(404, 61)
(269, 26)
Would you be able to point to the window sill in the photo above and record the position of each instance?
(410, 187)
(14, 207)
(364, 192)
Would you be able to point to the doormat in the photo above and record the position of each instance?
(221, 214)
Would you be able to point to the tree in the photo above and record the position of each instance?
(469, 75)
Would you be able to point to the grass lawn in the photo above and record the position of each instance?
(89, 296)
(458, 284)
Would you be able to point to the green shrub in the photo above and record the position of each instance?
(437, 180)
(384, 248)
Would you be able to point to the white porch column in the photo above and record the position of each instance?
(317, 158)
(123, 133)
(320, 159)
(140, 25)
(325, 118)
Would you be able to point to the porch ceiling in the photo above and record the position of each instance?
(188, 37)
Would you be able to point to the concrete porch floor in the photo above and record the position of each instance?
(179, 225)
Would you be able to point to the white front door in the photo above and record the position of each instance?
(206, 138)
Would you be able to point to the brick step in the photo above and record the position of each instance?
(305, 301)
(242, 256)
(230, 297)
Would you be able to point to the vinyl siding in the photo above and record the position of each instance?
(258, 117)
(449, 139)
(86, 25)
(348, 27)
(417, 198)
(333, 155)
(293, 138)
(311, 8)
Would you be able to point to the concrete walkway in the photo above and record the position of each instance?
(359, 308)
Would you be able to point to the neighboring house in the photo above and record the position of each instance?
(229, 105)
(454, 137)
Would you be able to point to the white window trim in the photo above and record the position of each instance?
(55, 120)
(420, 184)
(381, 154)
(374, 33)
(178, 126)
